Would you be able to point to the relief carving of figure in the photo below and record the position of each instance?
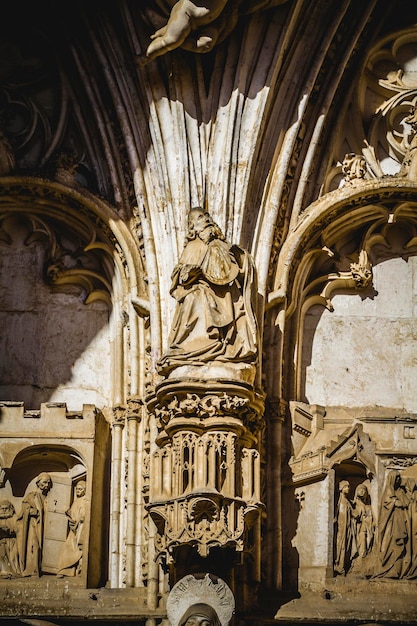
(410, 486)
(200, 615)
(364, 525)
(409, 164)
(199, 26)
(393, 554)
(71, 555)
(9, 559)
(214, 285)
(186, 16)
(345, 545)
(32, 519)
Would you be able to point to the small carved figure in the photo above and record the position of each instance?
(345, 546)
(200, 615)
(410, 486)
(393, 553)
(199, 26)
(71, 555)
(9, 559)
(186, 16)
(409, 164)
(32, 521)
(364, 524)
(214, 285)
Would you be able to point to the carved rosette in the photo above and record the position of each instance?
(205, 490)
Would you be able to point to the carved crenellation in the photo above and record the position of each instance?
(318, 450)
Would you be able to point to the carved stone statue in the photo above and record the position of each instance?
(199, 26)
(409, 164)
(214, 285)
(394, 547)
(71, 555)
(185, 16)
(32, 520)
(410, 485)
(9, 559)
(364, 526)
(345, 545)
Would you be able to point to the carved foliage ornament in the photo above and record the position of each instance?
(210, 405)
(382, 123)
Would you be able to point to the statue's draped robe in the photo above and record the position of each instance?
(72, 551)
(215, 315)
(31, 529)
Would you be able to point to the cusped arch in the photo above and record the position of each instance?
(334, 248)
(89, 250)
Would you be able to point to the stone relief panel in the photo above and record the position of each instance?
(46, 495)
(38, 535)
(378, 540)
(370, 495)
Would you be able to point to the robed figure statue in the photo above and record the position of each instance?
(215, 288)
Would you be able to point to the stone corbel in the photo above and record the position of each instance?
(359, 277)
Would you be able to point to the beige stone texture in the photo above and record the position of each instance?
(208, 313)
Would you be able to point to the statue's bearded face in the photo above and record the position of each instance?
(44, 485)
(199, 220)
(6, 510)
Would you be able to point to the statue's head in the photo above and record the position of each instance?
(44, 482)
(361, 491)
(200, 615)
(6, 509)
(201, 223)
(80, 488)
(344, 486)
